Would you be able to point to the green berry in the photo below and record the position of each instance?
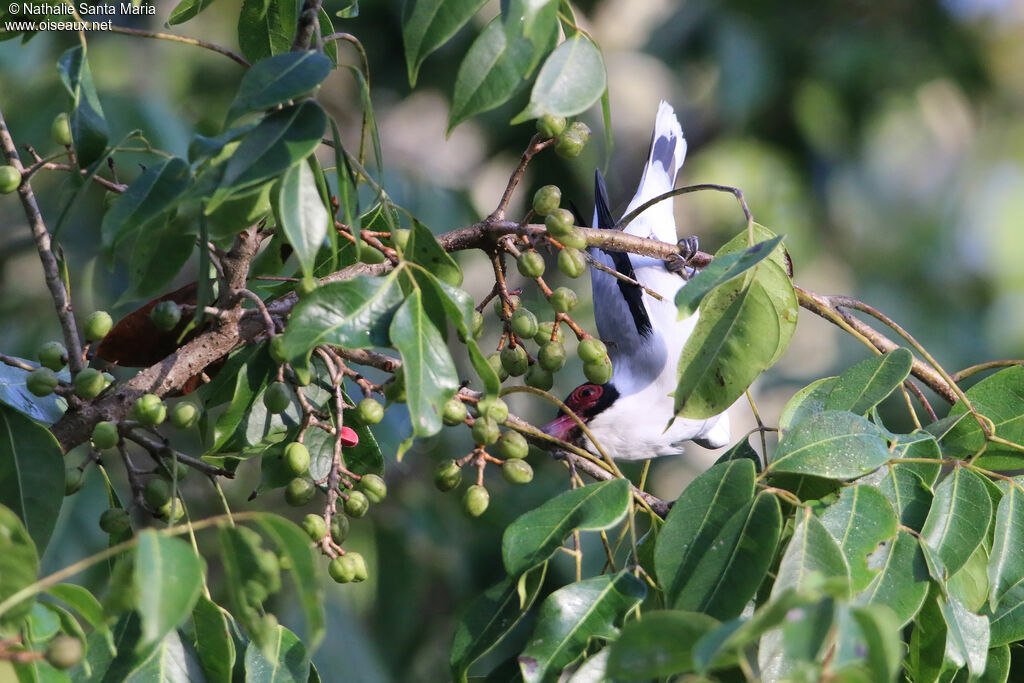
(299, 491)
(514, 359)
(185, 414)
(476, 500)
(550, 125)
(485, 431)
(598, 372)
(544, 332)
(315, 527)
(374, 487)
(357, 504)
(524, 323)
(394, 390)
(357, 565)
(276, 348)
(494, 360)
(165, 315)
(60, 130)
(156, 492)
(370, 411)
(41, 381)
(64, 652)
(150, 410)
(447, 476)
(10, 179)
(563, 300)
(559, 222)
(551, 356)
(499, 310)
(339, 528)
(572, 262)
(340, 570)
(574, 238)
(512, 445)
(175, 470)
(546, 200)
(104, 435)
(89, 383)
(494, 408)
(115, 521)
(172, 511)
(73, 480)
(454, 412)
(568, 145)
(277, 397)
(476, 327)
(98, 325)
(517, 472)
(530, 264)
(296, 458)
(581, 129)
(53, 355)
(591, 350)
(539, 378)
(369, 254)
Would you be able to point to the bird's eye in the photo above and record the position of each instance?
(586, 392)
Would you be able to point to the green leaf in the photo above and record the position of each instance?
(919, 444)
(927, 656)
(967, 640)
(31, 474)
(168, 660)
(160, 252)
(697, 518)
(1006, 564)
(879, 628)
(245, 565)
(14, 393)
(869, 382)
(282, 139)
(284, 661)
(148, 198)
(572, 79)
(491, 616)
(901, 581)
(531, 30)
(1007, 620)
(251, 377)
(429, 371)
(19, 565)
(536, 535)
(266, 28)
(571, 616)
(278, 79)
(302, 215)
(722, 268)
(658, 645)
(213, 641)
(186, 9)
(860, 521)
(429, 24)
(729, 573)
(487, 78)
(958, 518)
(168, 581)
(997, 667)
(424, 249)
(909, 495)
(835, 445)
(806, 403)
(1001, 399)
(85, 605)
(89, 129)
(970, 583)
(354, 313)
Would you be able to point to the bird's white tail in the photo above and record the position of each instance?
(666, 155)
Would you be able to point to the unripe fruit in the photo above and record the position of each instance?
(89, 383)
(339, 528)
(97, 325)
(341, 571)
(591, 350)
(572, 262)
(476, 327)
(368, 254)
(454, 412)
(544, 331)
(53, 355)
(476, 500)
(299, 491)
(447, 476)
(512, 445)
(176, 470)
(514, 303)
(115, 521)
(185, 414)
(494, 360)
(551, 356)
(276, 348)
(581, 129)
(494, 408)
(172, 511)
(10, 179)
(315, 527)
(64, 652)
(559, 222)
(517, 472)
(485, 431)
(568, 145)
(524, 323)
(530, 264)
(104, 435)
(277, 397)
(41, 381)
(546, 200)
(156, 493)
(563, 300)
(400, 238)
(303, 376)
(514, 359)
(598, 372)
(575, 238)
(357, 565)
(394, 390)
(374, 487)
(296, 458)
(370, 411)
(73, 480)
(150, 410)
(60, 130)
(550, 125)
(165, 315)
(539, 378)
(357, 504)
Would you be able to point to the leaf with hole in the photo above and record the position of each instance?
(860, 521)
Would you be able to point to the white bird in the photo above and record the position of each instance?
(629, 414)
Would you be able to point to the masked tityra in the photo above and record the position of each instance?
(628, 415)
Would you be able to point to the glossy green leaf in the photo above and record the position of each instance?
(429, 24)
(354, 313)
(696, 519)
(424, 249)
(970, 583)
(805, 403)
(860, 521)
(879, 628)
(168, 581)
(722, 268)
(213, 641)
(901, 578)
(284, 661)
(909, 495)
(927, 656)
(967, 639)
(657, 645)
(491, 616)
(834, 445)
(1006, 564)
(147, 198)
(997, 667)
(363, 458)
(31, 474)
(487, 78)
(571, 616)
(536, 535)
(266, 28)
(278, 79)
(14, 393)
(1007, 620)
(19, 565)
(250, 378)
(999, 397)
(429, 371)
(168, 660)
(161, 250)
(302, 215)
(919, 444)
(958, 518)
(869, 382)
(731, 570)
(742, 450)
(89, 129)
(86, 606)
(571, 80)
(186, 9)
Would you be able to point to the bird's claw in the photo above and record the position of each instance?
(688, 247)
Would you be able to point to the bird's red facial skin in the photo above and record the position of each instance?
(581, 401)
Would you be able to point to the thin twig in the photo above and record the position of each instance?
(535, 146)
(181, 39)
